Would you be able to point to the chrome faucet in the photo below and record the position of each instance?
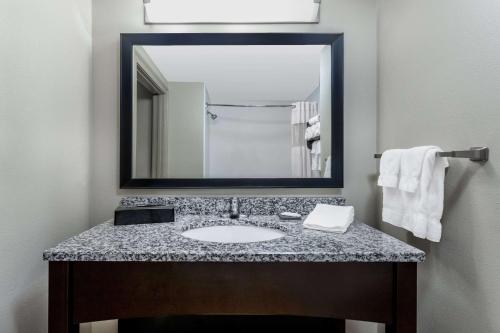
(234, 208)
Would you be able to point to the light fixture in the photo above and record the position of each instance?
(231, 11)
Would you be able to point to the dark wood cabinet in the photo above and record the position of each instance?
(91, 291)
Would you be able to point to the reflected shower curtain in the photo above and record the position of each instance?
(301, 156)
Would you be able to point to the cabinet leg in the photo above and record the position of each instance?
(339, 326)
(405, 299)
(60, 320)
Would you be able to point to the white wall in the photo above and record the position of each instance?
(45, 102)
(314, 96)
(249, 143)
(186, 129)
(439, 79)
(206, 135)
(356, 18)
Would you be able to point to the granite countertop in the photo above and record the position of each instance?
(164, 242)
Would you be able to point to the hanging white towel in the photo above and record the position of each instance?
(300, 154)
(390, 167)
(330, 218)
(313, 120)
(328, 168)
(316, 156)
(313, 131)
(411, 167)
(419, 212)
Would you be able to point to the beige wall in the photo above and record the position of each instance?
(356, 18)
(45, 101)
(439, 78)
(186, 129)
(439, 81)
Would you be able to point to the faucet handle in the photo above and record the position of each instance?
(234, 210)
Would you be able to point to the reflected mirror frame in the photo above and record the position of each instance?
(335, 41)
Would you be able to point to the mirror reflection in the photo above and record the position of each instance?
(257, 111)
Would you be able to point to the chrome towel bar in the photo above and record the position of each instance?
(254, 105)
(475, 154)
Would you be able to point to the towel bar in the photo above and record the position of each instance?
(475, 154)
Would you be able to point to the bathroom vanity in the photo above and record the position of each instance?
(118, 272)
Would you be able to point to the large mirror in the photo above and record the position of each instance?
(253, 110)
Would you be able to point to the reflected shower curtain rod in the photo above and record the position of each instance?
(254, 105)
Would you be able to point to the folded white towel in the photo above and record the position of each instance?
(313, 120)
(419, 212)
(330, 218)
(411, 167)
(390, 167)
(313, 131)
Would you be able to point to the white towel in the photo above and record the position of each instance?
(390, 167)
(328, 168)
(411, 167)
(330, 218)
(313, 120)
(313, 131)
(419, 212)
(316, 156)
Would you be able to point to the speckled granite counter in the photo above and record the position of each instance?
(362, 274)
(164, 242)
(250, 205)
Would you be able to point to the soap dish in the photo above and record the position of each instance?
(288, 216)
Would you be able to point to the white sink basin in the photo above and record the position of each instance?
(233, 234)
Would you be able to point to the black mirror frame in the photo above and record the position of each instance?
(336, 41)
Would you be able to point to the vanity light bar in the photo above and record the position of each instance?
(231, 11)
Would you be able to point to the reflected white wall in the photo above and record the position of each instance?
(249, 143)
(186, 128)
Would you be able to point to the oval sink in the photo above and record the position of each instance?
(233, 234)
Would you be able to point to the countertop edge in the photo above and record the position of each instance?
(81, 253)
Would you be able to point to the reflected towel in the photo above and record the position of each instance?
(328, 168)
(316, 156)
(313, 120)
(313, 131)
